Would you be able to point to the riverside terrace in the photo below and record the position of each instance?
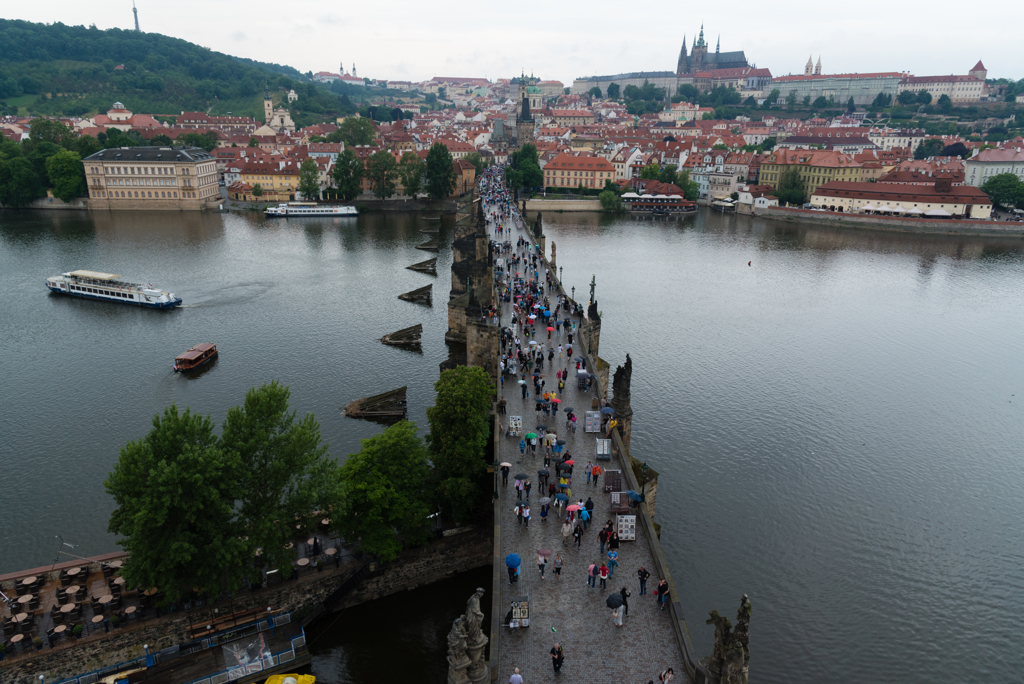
(566, 609)
(47, 603)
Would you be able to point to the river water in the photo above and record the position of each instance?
(837, 425)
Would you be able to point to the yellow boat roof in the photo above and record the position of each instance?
(95, 275)
(282, 678)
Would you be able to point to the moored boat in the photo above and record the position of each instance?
(290, 679)
(108, 287)
(310, 209)
(195, 357)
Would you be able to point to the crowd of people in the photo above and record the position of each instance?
(543, 328)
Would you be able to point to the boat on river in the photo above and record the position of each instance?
(310, 209)
(197, 356)
(108, 287)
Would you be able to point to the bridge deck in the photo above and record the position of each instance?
(595, 649)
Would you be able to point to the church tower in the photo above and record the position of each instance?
(524, 123)
(698, 56)
(809, 67)
(268, 107)
(817, 67)
(681, 66)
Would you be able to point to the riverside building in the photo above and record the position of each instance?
(158, 178)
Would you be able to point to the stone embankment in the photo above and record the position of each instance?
(897, 224)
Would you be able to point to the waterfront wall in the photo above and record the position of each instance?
(896, 223)
(563, 205)
(53, 203)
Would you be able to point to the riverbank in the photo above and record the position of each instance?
(896, 224)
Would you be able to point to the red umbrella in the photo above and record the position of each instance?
(557, 401)
(550, 329)
(570, 462)
(574, 507)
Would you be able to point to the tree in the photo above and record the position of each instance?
(928, 148)
(354, 131)
(282, 472)
(851, 106)
(945, 104)
(19, 183)
(667, 174)
(410, 170)
(253, 142)
(382, 170)
(348, 172)
(257, 190)
(309, 179)
(206, 141)
(385, 490)
(161, 140)
(609, 200)
(440, 172)
(650, 172)
(956, 150)
(820, 102)
(924, 97)
(906, 97)
(396, 114)
(807, 100)
(67, 175)
(613, 91)
(790, 187)
(1005, 189)
(476, 160)
(750, 102)
(49, 130)
(791, 99)
(882, 100)
(459, 425)
(691, 189)
(689, 93)
(594, 92)
(173, 492)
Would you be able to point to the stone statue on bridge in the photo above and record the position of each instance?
(466, 644)
(730, 661)
(458, 661)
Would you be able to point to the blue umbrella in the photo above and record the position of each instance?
(561, 497)
(634, 495)
(607, 409)
(546, 313)
(512, 560)
(563, 485)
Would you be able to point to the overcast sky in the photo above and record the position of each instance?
(562, 40)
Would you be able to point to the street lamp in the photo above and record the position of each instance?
(495, 479)
(643, 485)
(574, 293)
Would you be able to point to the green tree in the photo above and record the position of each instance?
(1005, 189)
(595, 92)
(282, 475)
(382, 170)
(354, 131)
(87, 145)
(410, 170)
(790, 188)
(667, 174)
(385, 489)
(161, 140)
(20, 185)
(613, 91)
(851, 106)
(906, 97)
(820, 102)
(348, 172)
(459, 425)
(67, 175)
(689, 93)
(945, 104)
(440, 172)
(477, 161)
(173, 492)
(791, 99)
(206, 141)
(49, 130)
(309, 179)
(253, 142)
(882, 100)
(632, 92)
(691, 189)
(807, 100)
(650, 172)
(957, 149)
(610, 200)
(257, 190)
(928, 148)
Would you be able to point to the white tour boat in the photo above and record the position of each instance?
(310, 209)
(106, 286)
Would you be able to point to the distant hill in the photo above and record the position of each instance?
(56, 69)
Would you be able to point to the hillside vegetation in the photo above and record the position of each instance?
(55, 69)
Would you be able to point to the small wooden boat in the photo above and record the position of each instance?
(195, 357)
(290, 679)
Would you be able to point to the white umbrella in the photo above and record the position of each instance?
(914, 210)
(937, 212)
(868, 207)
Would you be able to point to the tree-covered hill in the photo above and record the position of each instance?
(56, 69)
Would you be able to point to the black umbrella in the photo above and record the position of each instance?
(560, 442)
(562, 466)
(522, 476)
(568, 409)
(544, 473)
(614, 601)
(542, 427)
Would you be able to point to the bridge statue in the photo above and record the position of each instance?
(730, 661)
(466, 644)
(458, 661)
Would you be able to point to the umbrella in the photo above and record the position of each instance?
(542, 427)
(506, 465)
(614, 601)
(533, 342)
(568, 409)
(512, 560)
(522, 476)
(632, 494)
(560, 442)
(574, 507)
(561, 497)
(582, 374)
(544, 473)
(563, 485)
(550, 329)
(608, 410)
(557, 400)
(546, 313)
(522, 382)
(544, 552)
(531, 435)
(562, 466)
(545, 501)
(536, 306)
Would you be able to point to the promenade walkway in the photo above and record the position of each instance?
(566, 609)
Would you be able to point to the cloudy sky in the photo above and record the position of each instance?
(561, 40)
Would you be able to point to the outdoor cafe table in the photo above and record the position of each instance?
(129, 610)
(59, 628)
(116, 564)
(25, 599)
(29, 581)
(303, 562)
(74, 571)
(72, 589)
(331, 552)
(20, 616)
(16, 638)
(105, 599)
(119, 580)
(67, 607)
(96, 619)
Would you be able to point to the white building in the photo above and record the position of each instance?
(984, 165)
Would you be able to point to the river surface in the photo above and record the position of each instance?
(837, 425)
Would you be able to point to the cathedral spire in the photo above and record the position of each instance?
(718, 46)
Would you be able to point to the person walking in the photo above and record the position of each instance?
(589, 505)
(522, 448)
(526, 517)
(643, 576)
(558, 566)
(625, 593)
(613, 541)
(527, 485)
(617, 616)
(666, 676)
(602, 537)
(516, 678)
(542, 563)
(613, 562)
(566, 532)
(504, 475)
(519, 490)
(592, 573)
(511, 575)
(577, 534)
(519, 513)
(590, 469)
(557, 658)
(662, 593)
(596, 473)
(603, 570)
